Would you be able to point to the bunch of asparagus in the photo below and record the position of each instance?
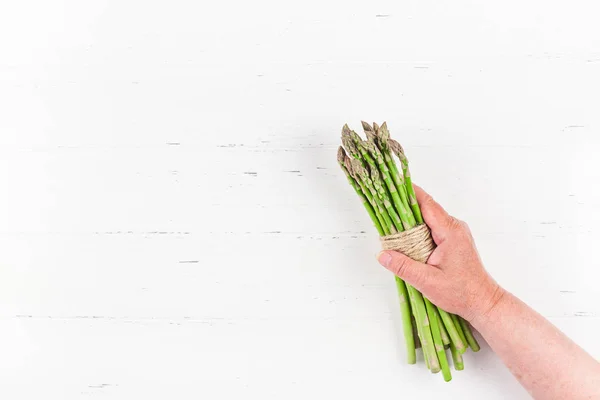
(388, 195)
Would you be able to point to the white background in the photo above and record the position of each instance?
(173, 223)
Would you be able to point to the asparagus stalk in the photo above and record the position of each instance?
(397, 149)
(457, 358)
(383, 196)
(437, 339)
(359, 192)
(358, 141)
(443, 330)
(414, 326)
(469, 335)
(406, 215)
(406, 321)
(383, 136)
(363, 174)
(425, 334)
(458, 327)
(455, 337)
(359, 168)
(366, 193)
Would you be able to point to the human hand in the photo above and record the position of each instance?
(454, 277)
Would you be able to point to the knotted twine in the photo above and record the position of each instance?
(416, 243)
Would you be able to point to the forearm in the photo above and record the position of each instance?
(547, 363)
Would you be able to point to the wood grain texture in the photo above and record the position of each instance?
(174, 225)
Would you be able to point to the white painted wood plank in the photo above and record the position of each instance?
(174, 223)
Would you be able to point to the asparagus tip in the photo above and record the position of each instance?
(349, 144)
(356, 137)
(366, 126)
(384, 134)
(358, 168)
(349, 166)
(341, 155)
(345, 129)
(374, 175)
(371, 136)
(397, 149)
(370, 145)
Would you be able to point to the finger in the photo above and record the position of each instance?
(434, 215)
(419, 275)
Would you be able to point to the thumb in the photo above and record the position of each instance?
(421, 276)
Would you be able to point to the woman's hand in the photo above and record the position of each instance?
(454, 277)
(547, 363)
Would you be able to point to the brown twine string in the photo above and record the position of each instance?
(416, 243)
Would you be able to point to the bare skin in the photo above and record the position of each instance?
(546, 362)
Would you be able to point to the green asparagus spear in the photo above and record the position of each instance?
(461, 334)
(412, 197)
(437, 340)
(363, 174)
(456, 358)
(408, 220)
(406, 321)
(383, 136)
(359, 192)
(469, 335)
(452, 331)
(443, 330)
(423, 323)
(366, 193)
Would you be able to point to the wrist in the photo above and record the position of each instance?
(486, 309)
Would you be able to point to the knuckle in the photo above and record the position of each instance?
(428, 200)
(452, 224)
(465, 226)
(456, 224)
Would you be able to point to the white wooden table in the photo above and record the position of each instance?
(173, 222)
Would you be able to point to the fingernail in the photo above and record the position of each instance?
(384, 258)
